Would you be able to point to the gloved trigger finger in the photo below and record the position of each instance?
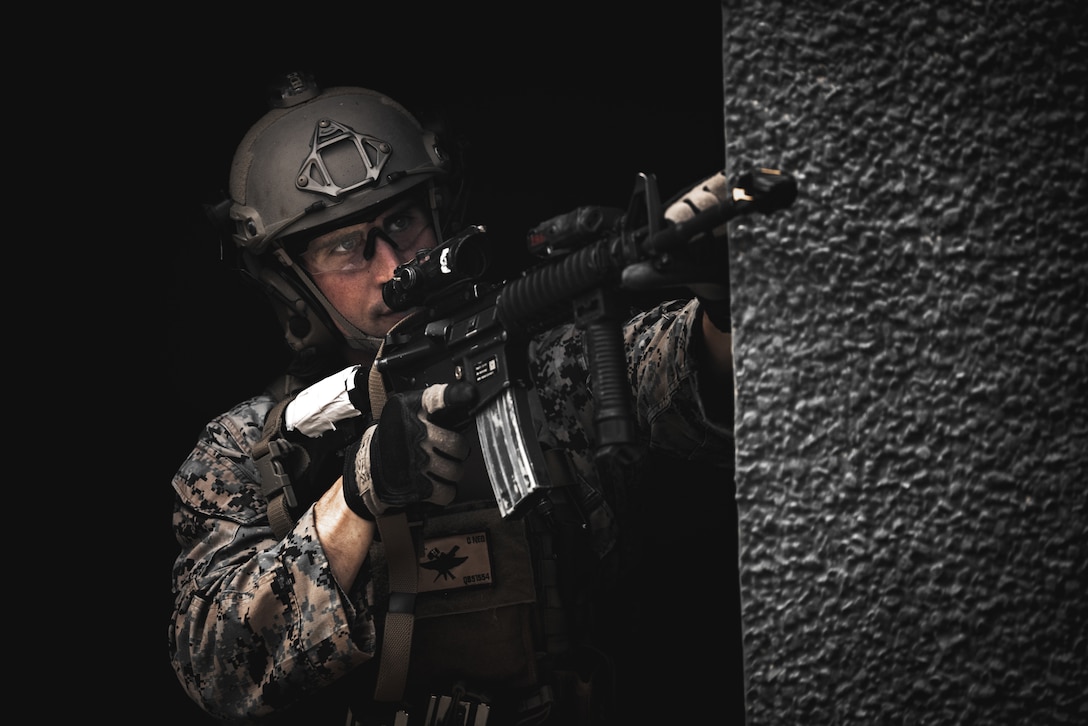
(433, 398)
(453, 398)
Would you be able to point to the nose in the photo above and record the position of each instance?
(387, 258)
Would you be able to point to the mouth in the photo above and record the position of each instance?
(386, 313)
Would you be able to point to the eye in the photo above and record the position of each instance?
(401, 222)
(338, 252)
(345, 245)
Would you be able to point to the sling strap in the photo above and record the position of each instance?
(270, 455)
(403, 561)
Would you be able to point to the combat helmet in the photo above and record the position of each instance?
(316, 160)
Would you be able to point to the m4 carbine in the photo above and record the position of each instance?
(588, 261)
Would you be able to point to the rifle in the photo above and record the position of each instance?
(585, 264)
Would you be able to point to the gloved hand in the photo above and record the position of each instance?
(406, 457)
(711, 254)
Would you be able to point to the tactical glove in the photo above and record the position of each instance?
(711, 255)
(406, 457)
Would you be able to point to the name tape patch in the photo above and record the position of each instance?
(455, 561)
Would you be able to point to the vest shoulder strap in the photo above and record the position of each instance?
(270, 455)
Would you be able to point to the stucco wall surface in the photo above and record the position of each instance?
(911, 345)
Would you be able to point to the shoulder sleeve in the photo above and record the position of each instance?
(665, 379)
(670, 413)
(258, 622)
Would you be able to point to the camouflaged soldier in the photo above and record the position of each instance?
(289, 607)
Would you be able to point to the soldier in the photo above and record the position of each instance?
(289, 607)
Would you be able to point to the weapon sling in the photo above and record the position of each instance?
(403, 562)
(395, 533)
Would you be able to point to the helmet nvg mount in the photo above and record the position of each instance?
(315, 159)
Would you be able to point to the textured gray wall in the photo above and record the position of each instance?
(912, 357)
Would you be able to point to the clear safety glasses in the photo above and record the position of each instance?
(351, 248)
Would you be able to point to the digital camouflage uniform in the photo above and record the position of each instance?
(260, 624)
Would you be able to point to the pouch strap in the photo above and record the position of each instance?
(268, 455)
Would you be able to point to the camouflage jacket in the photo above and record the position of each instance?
(260, 623)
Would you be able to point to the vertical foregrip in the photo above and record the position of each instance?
(582, 285)
(614, 416)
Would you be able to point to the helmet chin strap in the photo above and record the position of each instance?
(355, 338)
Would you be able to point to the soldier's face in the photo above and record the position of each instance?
(351, 264)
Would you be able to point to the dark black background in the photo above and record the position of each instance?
(554, 108)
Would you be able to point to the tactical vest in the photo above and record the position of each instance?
(480, 618)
